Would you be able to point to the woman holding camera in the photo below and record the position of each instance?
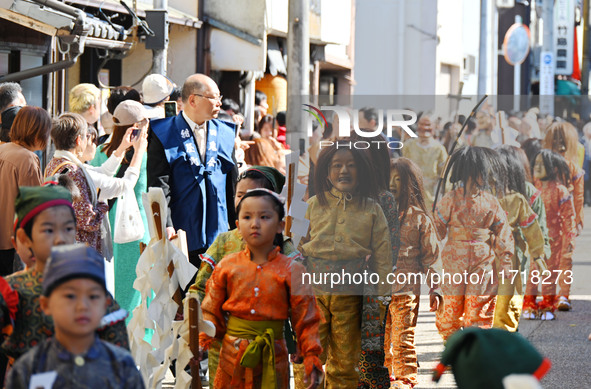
(130, 127)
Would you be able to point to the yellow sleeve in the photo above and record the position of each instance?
(528, 223)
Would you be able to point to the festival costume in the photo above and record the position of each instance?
(195, 188)
(560, 217)
(528, 237)
(225, 244)
(577, 190)
(342, 235)
(372, 371)
(431, 159)
(104, 365)
(470, 222)
(419, 253)
(257, 299)
(534, 197)
(89, 211)
(32, 327)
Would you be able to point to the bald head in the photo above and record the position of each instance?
(196, 83)
(201, 98)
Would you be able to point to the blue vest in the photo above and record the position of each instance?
(197, 188)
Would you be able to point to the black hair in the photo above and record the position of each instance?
(516, 176)
(176, 94)
(369, 114)
(471, 125)
(256, 175)
(281, 118)
(379, 157)
(470, 163)
(259, 97)
(229, 104)
(532, 147)
(119, 95)
(277, 206)
(555, 165)
(498, 166)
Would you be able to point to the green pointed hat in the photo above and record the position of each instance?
(481, 358)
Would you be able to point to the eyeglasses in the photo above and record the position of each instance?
(219, 98)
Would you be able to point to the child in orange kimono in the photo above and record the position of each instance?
(551, 175)
(563, 138)
(250, 295)
(477, 229)
(419, 253)
(231, 242)
(526, 232)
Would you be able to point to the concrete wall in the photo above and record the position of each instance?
(395, 47)
(182, 57)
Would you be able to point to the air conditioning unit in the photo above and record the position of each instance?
(469, 64)
(505, 3)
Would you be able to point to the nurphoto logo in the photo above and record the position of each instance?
(400, 118)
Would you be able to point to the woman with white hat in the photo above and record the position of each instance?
(131, 120)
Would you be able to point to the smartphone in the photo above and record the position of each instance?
(169, 109)
(134, 133)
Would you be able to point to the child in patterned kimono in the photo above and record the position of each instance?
(372, 371)
(45, 218)
(428, 153)
(477, 230)
(526, 233)
(346, 228)
(419, 253)
(75, 297)
(533, 196)
(563, 138)
(231, 242)
(551, 175)
(250, 295)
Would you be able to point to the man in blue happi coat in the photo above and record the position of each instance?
(190, 156)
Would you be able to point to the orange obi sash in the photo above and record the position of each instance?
(469, 234)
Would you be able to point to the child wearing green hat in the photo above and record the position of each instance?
(45, 218)
(75, 296)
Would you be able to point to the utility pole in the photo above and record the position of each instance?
(586, 106)
(298, 72)
(482, 51)
(547, 60)
(160, 55)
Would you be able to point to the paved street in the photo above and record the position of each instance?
(564, 340)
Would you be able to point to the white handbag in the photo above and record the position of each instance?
(129, 226)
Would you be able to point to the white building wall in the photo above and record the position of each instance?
(182, 58)
(470, 41)
(395, 49)
(450, 53)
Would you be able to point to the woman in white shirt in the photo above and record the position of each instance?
(130, 118)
